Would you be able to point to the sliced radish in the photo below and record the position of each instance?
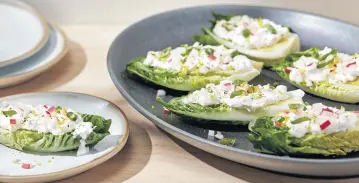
(13, 121)
(325, 124)
(212, 57)
(350, 64)
(327, 110)
(166, 111)
(26, 166)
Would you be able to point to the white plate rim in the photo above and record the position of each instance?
(40, 44)
(74, 170)
(25, 76)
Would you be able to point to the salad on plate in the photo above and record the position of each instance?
(314, 129)
(326, 73)
(49, 129)
(258, 38)
(233, 102)
(191, 67)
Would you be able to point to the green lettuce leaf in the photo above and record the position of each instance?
(266, 138)
(269, 55)
(186, 82)
(348, 93)
(222, 113)
(26, 140)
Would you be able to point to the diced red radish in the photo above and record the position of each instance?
(26, 166)
(51, 109)
(310, 64)
(166, 111)
(327, 110)
(212, 57)
(356, 112)
(46, 106)
(350, 64)
(13, 121)
(227, 84)
(325, 124)
(287, 70)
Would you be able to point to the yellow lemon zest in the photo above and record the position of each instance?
(302, 70)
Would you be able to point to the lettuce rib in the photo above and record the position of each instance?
(267, 138)
(175, 81)
(26, 140)
(348, 93)
(222, 114)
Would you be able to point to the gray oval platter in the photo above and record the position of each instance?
(177, 27)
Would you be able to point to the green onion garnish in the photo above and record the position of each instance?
(9, 113)
(58, 109)
(246, 33)
(294, 106)
(281, 119)
(228, 141)
(270, 28)
(235, 53)
(72, 116)
(209, 51)
(300, 120)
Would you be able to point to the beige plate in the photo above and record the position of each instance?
(52, 52)
(56, 166)
(23, 32)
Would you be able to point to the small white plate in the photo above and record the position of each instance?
(56, 166)
(23, 31)
(52, 52)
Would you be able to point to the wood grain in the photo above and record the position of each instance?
(150, 155)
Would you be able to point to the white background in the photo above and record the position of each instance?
(129, 11)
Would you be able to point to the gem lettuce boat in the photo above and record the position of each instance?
(325, 73)
(308, 130)
(49, 129)
(187, 68)
(259, 39)
(233, 102)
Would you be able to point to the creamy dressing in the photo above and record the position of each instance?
(198, 59)
(317, 119)
(251, 33)
(344, 68)
(222, 94)
(43, 119)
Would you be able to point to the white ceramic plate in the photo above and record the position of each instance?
(62, 165)
(52, 52)
(23, 31)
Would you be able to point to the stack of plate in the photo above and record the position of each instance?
(29, 45)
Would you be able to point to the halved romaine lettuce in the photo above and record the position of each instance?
(222, 113)
(342, 92)
(269, 54)
(270, 138)
(26, 140)
(189, 80)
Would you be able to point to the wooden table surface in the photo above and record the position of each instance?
(150, 154)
